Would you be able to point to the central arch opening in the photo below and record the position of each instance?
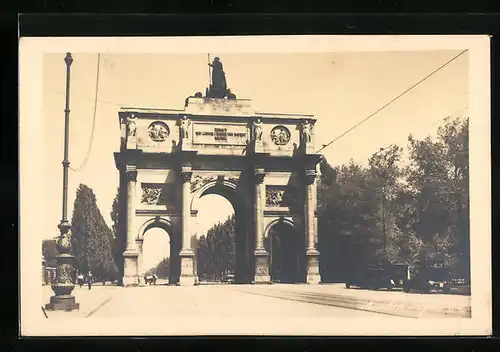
(285, 249)
(215, 237)
(159, 253)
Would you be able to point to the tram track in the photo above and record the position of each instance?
(319, 299)
(387, 307)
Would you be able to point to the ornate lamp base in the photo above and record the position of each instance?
(63, 302)
(62, 299)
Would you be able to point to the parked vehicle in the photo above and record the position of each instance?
(374, 277)
(230, 278)
(398, 275)
(430, 275)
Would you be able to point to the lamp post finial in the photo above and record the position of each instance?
(68, 59)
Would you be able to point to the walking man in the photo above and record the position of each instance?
(89, 279)
(80, 279)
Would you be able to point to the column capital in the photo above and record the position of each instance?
(259, 175)
(310, 176)
(130, 173)
(186, 176)
(186, 173)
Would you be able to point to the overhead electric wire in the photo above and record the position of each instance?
(81, 97)
(393, 100)
(91, 141)
(455, 113)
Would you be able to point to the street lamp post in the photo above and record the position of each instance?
(62, 299)
(384, 233)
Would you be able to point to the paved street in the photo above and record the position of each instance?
(272, 300)
(89, 300)
(395, 302)
(212, 301)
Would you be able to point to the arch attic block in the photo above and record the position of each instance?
(263, 163)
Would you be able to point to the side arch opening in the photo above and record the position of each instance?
(159, 246)
(286, 252)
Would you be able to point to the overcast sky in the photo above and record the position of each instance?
(340, 89)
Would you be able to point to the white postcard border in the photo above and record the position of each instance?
(33, 323)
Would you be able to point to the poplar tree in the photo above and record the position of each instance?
(92, 240)
(118, 211)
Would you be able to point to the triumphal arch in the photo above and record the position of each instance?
(264, 164)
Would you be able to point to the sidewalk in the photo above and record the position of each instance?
(89, 300)
(386, 302)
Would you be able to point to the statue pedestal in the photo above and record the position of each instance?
(186, 145)
(258, 147)
(131, 142)
(309, 149)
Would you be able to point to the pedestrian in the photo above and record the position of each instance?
(80, 279)
(89, 279)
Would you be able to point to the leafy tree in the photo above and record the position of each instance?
(92, 239)
(50, 252)
(439, 177)
(347, 219)
(386, 180)
(398, 213)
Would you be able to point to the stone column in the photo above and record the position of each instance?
(187, 277)
(260, 254)
(131, 254)
(313, 276)
(139, 262)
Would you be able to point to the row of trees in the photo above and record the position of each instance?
(162, 269)
(400, 212)
(215, 252)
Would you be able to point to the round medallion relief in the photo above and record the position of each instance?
(280, 135)
(158, 131)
